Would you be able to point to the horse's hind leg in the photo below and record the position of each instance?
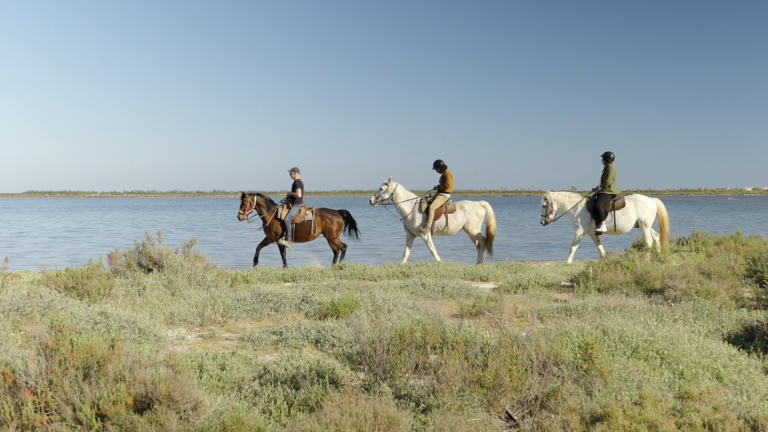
(656, 239)
(337, 246)
(479, 241)
(343, 252)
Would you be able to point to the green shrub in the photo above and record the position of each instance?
(757, 270)
(90, 382)
(352, 411)
(92, 282)
(480, 305)
(702, 266)
(339, 308)
(751, 337)
(152, 255)
(292, 385)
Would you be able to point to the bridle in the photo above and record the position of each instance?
(389, 201)
(551, 215)
(253, 209)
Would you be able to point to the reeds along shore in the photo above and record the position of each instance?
(159, 338)
(756, 191)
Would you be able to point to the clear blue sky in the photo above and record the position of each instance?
(200, 95)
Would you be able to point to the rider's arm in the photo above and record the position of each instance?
(296, 194)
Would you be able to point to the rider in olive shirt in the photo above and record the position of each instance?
(605, 192)
(444, 189)
(295, 197)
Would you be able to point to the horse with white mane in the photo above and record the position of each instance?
(468, 218)
(640, 212)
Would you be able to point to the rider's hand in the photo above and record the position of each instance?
(596, 190)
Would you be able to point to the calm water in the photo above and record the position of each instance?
(67, 232)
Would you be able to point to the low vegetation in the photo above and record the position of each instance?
(159, 338)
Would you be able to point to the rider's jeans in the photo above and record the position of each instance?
(287, 221)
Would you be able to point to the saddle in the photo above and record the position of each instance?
(305, 214)
(616, 203)
(448, 208)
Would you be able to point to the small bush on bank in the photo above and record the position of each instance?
(90, 382)
(152, 255)
(731, 268)
(429, 363)
(339, 308)
(752, 337)
(352, 411)
(92, 282)
(291, 386)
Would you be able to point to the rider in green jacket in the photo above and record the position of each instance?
(606, 191)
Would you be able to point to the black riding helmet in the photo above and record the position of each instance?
(439, 164)
(608, 155)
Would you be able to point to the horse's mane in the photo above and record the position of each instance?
(270, 203)
(565, 198)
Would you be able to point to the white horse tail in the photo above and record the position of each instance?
(661, 213)
(490, 227)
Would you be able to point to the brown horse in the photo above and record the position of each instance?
(328, 222)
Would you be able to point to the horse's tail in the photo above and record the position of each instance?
(490, 227)
(661, 213)
(350, 224)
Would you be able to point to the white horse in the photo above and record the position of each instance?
(641, 211)
(468, 217)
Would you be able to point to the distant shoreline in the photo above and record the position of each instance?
(364, 193)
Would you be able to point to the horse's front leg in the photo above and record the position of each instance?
(575, 245)
(598, 244)
(409, 238)
(431, 246)
(263, 243)
(282, 255)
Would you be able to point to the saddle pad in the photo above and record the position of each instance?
(305, 215)
(615, 204)
(449, 206)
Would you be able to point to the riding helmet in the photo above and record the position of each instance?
(439, 164)
(608, 155)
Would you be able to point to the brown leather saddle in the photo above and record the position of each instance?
(616, 203)
(448, 208)
(306, 214)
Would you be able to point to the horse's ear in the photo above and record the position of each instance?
(389, 180)
(242, 195)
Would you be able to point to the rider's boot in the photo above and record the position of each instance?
(601, 229)
(285, 242)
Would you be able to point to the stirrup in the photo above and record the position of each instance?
(284, 242)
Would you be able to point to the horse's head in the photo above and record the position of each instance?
(247, 206)
(548, 209)
(384, 193)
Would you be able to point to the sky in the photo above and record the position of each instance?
(202, 95)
